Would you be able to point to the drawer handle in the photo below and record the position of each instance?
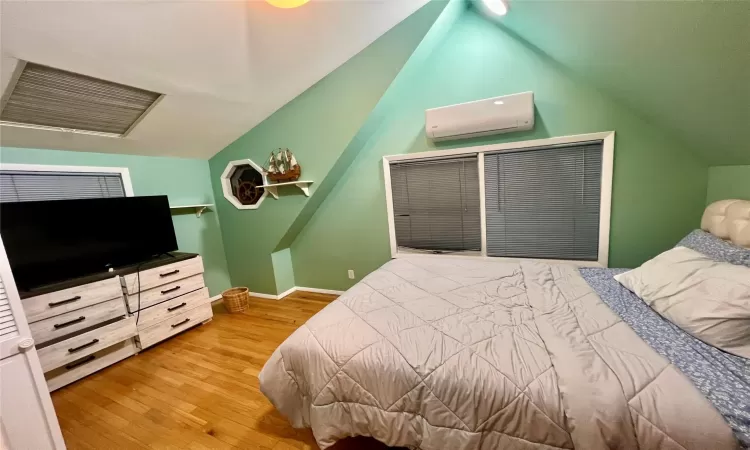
(176, 307)
(167, 291)
(69, 323)
(174, 272)
(78, 349)
(81, 362)
(181, 323)
(62, 302)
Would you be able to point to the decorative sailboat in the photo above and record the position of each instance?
(282, 166)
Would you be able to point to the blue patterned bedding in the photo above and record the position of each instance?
(716, 248)
(723, 378)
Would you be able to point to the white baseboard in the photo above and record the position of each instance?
(287, 292)
(319, 291)
(295, 289)
(261, 295)
(215, 298)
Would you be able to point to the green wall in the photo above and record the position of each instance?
(725, 182)
(659, 185)
(374, 106)
(185, 181)
(321, 127)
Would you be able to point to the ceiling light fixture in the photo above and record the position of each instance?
(497, 7)
(287, 4)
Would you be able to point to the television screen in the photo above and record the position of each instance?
(51, 241)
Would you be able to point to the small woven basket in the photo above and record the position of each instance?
(236, 299)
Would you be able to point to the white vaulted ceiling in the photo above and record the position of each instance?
(223, 65)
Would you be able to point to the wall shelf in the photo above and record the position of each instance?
(272, 188)
(198, 208)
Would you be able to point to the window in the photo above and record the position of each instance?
(544, 199)
(242, 183)
(25, 183)
(246, 182)
(436, 204)
(544, 203)
(45, 97)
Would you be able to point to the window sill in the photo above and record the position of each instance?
(477, 256)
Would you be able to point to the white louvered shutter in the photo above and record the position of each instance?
(27, 416)
(13, 326)
(8, 327)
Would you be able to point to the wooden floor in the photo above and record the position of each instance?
(198, 390)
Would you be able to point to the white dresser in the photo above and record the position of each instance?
(167, 300)
(82, 329)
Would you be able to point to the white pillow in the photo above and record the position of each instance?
(706, 298)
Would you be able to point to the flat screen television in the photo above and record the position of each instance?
(52, 241)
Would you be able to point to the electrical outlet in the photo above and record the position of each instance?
(351, 274)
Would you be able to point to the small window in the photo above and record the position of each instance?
(242, 183)
(45, 97)
(245, 182)
(436, 204)
(38, 185)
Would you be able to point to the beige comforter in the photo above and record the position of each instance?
(460, 354)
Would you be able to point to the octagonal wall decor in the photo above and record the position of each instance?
(240, 182)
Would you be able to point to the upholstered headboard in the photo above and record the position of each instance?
(730, 220)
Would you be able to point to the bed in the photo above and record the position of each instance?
(462, 353)
(721, 377)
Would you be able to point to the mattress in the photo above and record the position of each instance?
(459, 353)
(722, 377)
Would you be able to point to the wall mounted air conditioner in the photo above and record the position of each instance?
(481, 118)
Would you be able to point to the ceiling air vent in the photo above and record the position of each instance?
(44, 97)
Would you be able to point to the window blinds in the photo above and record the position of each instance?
(49, 97)
(544, 203)
(436, 204)
(28, 186)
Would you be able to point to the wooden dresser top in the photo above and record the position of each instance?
(121, 271)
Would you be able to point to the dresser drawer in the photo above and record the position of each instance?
(171, 308)
(175, 324)
(159, 276)
(82, 345)
(55, 327)
(55, 303)
(164, 292)
(87, 365)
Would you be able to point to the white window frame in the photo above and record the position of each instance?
(605, 204)
(123, 171)
(226, 183)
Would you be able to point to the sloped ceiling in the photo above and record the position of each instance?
(226, 66)
(223, 65)
(685, 65)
